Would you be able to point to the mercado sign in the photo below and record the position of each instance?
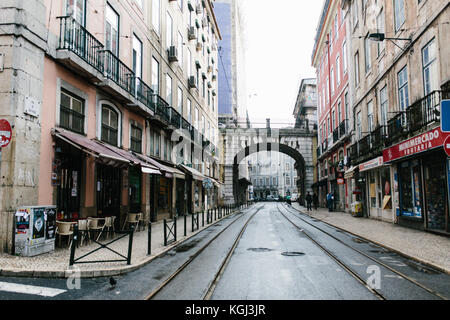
(430, 140)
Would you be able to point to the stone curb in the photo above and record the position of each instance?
(422, 261)
(103, 272)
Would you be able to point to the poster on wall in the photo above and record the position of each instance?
(38, 224)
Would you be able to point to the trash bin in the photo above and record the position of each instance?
(35, 230)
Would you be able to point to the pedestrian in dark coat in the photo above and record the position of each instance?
(309, 202)
(315, 201)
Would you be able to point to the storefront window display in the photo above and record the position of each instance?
(410, 189)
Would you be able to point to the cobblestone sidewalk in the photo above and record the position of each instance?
(56, 264)
(425, 247)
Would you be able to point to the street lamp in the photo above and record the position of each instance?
(378, 37)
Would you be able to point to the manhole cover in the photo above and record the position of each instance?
(292, 254)
(259, 249)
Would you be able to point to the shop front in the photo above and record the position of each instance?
(378, 189)
(422, 182)
(195, 179)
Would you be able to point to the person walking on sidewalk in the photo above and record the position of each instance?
(315, 201)
(309, 202)
(330, 201)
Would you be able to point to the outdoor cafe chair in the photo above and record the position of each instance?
(63, 229)
(83, 226)
(132, 218)
(93, 226)
(109, 224)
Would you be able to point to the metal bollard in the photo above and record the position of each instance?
(185, 225)
(203, 218)
(130, 245)
(74, 243)
(149, 249)
(175, 228)
(165, 232)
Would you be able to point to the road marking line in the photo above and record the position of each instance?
(27, 289)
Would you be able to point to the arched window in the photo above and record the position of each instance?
(110, 125)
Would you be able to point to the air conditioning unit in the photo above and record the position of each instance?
(173, 54)
(192, 82)
(199, 9)
(191, 33)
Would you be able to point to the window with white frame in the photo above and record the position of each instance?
(110, 125)
(430, 68)
(403, 93)
(156, 15)
(399, 14)
(180, 100)
(169, 31)
(77, 10)
(384, 105)
(169, 89)
(155, 75)
(112, 31)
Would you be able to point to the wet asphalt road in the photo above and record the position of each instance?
(274, 260)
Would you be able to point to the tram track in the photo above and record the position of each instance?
(346, 267)
(211, 287)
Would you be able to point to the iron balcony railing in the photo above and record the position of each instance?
(144, 93)
(424, 111)
(118, 72)
(396, 127)
(343, 129)
(185, 125)
(161, 107)
(364, 146)
(74, 37)
(175, 118)
(378, 137)
(354, 151)
(336, 135)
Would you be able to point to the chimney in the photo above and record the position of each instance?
(268, 123)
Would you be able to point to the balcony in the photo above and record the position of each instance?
(417, 117)
(343, 129)
(336, 135)
(79, 50)
(118, 72)
(353, 152)
(175, 118)
(162, 108)
(397, 127)
(378, 137)
(424, 112)
(364, 146)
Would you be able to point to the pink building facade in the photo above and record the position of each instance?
(330, 58)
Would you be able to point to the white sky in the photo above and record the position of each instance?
(280, 38)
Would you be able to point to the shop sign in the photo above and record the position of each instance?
(372, 164)
(424, 142)
(340, 181)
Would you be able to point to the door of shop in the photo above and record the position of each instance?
(135, 189)
(180, 198)
(108, 191)
(68, 167)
